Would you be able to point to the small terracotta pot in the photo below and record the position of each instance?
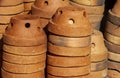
(113, 74)
(10, 2)
(39, 74)
(90, 2)
(99, 74)
(75, 71)
(98, 66)
(27, 31)
(112, 29)
(18, 59)
(66, 18)
(111, 38)
(69, 51)
(112, 47)
(23, 69)
(90, 9)
(34, 50)
(114, 65)
(2, 28)
(12, 10)
(51, 76)
(114, 56)
(27, 5)
(28, 0)
(70, 41)
(98, 49)
(62, 61)
(115, 9)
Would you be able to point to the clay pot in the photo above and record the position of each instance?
(90, 2)
(99, 74)
(34, 50)
(111, 38)
(115, 9)
(25, 30)
(9, 10)
(74, 71)
(98, 66)
(28, 0)
(47, 8)
(113, 74)
(70, 41)
(23, 69)
(66, 18)
(6, 74)
(10, 2)
(114, 56)
(51, 76)
(114, 65)
(98, 49)
(62, 61)
(18, 59)
(69, 51)
(2, 28)
(90, 9)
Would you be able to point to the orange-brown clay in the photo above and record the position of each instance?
(114, 56)
(113, 74)
(115, 9)
(27, 5)
(114, 65)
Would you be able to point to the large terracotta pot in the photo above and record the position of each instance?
(116, 8)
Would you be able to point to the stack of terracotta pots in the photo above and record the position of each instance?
(98, 56)
(24, 49)
(27, 5)
(112, 36)
(47, 8)
(94, 8)
(69, 44)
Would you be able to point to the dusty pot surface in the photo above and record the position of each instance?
(70, 21)
(116, 8)
(112, 56)
(114, 65)
(113, 74)
(25, 30)
(48, 7)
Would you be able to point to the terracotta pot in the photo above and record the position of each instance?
(20, 59)
(1, 43)
(51, 76)
(39, 74)
(47, 8)
(90, 2)
(23, 68)
(74, 71)
(66, 18)
(27, 31)
(69, 51)
(111, 38)
(62, 61)
(98, 49)
(112, 47)
(10, 2)
(115, 9)
(99, 74)
(28, 0)
(90, 9)
(34, 50)
(2, 28)
(98, 66)
(112, 29)
(114, 56)
(70, 41)
(114, 65)
(27, 5)
(113, 74)
(12, 10)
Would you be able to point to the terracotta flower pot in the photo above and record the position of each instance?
(69, 51)
(25, 30)
(98, 49)
(115, 9)
(66, 18)
(6, 74)
(62, 61)
(90, 2)
(28, 0)
(27, 5)
(113, 74)
(114, 65)
(114, 56)
(2, 28)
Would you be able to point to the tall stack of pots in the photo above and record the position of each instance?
(24, 48)
(99, 55)
(94, 8)
(69, 44)
(112, 36)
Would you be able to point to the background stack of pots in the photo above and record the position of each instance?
(94, 8)
(27, 5)
(98, 56)
(112, 36)
(69, 44)
(24, 48)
